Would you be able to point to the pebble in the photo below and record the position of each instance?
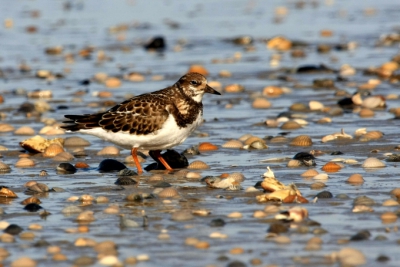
(109, 260)
(236, 251)
(282, 239)
(143, 257)
(351, 257)
(235, 215)
(202, 245)
(182, 215)
(388, 217)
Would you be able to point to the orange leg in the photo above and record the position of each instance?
(162, 160)
(136, 160)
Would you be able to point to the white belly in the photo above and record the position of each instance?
(168, 136)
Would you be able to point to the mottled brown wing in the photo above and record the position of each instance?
(141, 116)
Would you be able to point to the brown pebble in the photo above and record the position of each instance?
(199, 69)
(317, 185)
(261, 103)
(355, 178)
(202, 245)
(59, 257)
(388, 217)
(236, 251)
(112, 82)
(24, 262)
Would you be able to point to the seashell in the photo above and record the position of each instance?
(168, 192)
(63, 156)
(298, 107)
(309, 173)
(206, 146)
(86, 198)
(38, 188)
(245, 137)
(301, 140)
(31, 200)
(290, 125)
(317, 185)
(237, 176)
(390, 203)
(372, 135)
(260, 144)
(24, 130)
(279, 139)
(30, 183)
(112, 82)
(75, 141)
(279, 43)
(321, 176)
(328, 138)
(5, 127)
(253, 139)
(85, 216)
(81, 165)
(38, 144)
(302, 122)
(315, 105)
(199, 69)
(272, 91)
(293, 163)
(372, 102)
(373, 163)
(233, 144)
(24, 162)
(331, 167)
(324, 194)
(108, 150)
(355, 178)
(4, 167)
(324, 120)
(193, 175)
(272, 123)
(155, 178)
(362, 208)
(126, 172)
(234, 88)
(6, 192)
(182, 215)
(52, 150)
(43, 173)
(389, 217)
(125, 180)
(198, 165)
(261, 103)
(366, 113)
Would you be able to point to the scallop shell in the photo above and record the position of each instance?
(372, 135)
(24, 130)
(43, 173)
(168, 192)
(310, 173)
(108, 150)
(197, 165)
(260, 144)
(31, 200)
(86, 197)
(298, 107)
(206, 146)
(327, 138)
(355, 178)
(293, 163)
(38, 188)
(279, 139)
(366, 113)
(85, 216)
(24, 162)
(301, 140)
(245, 137)
(52, 150)
(331, 167)
(290, 125)
(155, 178)
(193, 175)
(6, 192)
(324, 120)
(373, 163)
(237, 176)
(4, 167)
(233, 144)
(253, 139)
(76, 141)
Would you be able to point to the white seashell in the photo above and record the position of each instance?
(269, 173)
(328, 138)
(301, 122)
(315, 105)
(373, 163)
(357, 100)
(373, 102)
(360, 132)
(321, 176)
(350, 161)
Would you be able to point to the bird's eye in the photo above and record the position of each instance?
(193, 82)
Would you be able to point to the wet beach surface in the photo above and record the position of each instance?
(330, 51)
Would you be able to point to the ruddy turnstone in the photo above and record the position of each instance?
(153, 121)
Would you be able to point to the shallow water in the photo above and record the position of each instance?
(203, 27)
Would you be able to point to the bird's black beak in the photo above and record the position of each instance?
(211, 90)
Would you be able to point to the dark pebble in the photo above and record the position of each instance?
(277, 228)
(13, 229)
(110, 165)
(157, 43)
(41, 243)
(324, 194)
(172, 157)
(364, 200)
(161, 184)
(306, 158)
(66, 168)
(236, 264)
(125, 180)
(217, 223)
(258, 185)
(127, 172)
(57, 189)
(382, 258)
(85, 82)
(135, 197)
(362, 235)
(223, 258)
(84, 261)
(334, 153)
(32, 207)
(26, 107)
(323, 83)
(313, 69)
